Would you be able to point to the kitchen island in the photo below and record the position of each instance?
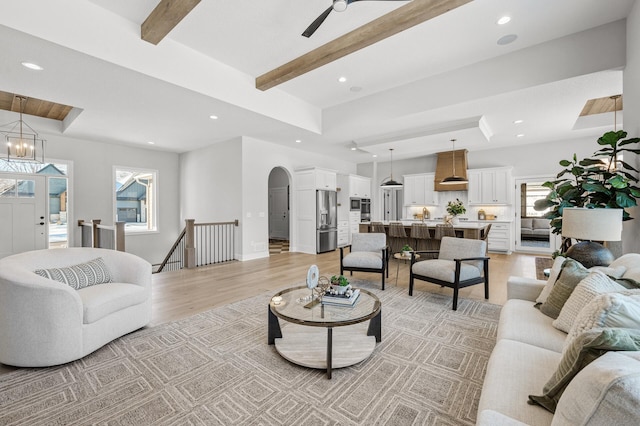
(464, 229)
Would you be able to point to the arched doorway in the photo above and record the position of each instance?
(279, 208)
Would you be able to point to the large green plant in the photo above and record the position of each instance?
(601, 181)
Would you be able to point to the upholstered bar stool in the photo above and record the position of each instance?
(377, 227)
(420, 234)
(444, 230)
(397, 236)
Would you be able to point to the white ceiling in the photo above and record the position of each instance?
(446, 78)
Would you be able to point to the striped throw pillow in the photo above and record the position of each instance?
(79, 276)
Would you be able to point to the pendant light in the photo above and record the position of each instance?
(21, 145)
(453, 179)
(391, 183)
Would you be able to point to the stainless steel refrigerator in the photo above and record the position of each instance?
(326, 221)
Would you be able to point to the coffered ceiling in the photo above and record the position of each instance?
(451, 76)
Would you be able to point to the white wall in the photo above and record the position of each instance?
(230, 180)
(631, 92)
(93, 184)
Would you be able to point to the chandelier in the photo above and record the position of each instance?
(22, 142)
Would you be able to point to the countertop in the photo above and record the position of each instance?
(463, 224)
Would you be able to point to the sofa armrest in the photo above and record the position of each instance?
(494, 418)
(524, 288)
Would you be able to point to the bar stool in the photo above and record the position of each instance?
(444, 230)
(420, 233)
(485, 235)
(377, 227)
(397, 236)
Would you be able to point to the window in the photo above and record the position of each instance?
(530, 194)
(135, 199)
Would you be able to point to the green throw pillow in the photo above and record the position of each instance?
(571, 274)
(584, 349)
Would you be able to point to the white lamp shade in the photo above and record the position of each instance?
(592, 224)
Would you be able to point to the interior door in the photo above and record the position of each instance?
(23, 212)
(279, 213)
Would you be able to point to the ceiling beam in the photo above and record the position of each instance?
(164, 18)
(402, 18)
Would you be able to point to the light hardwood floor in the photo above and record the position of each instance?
(180, 294)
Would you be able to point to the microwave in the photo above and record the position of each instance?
(354, 204)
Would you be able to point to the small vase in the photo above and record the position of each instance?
(455, 220)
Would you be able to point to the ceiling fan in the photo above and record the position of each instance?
(338, 6)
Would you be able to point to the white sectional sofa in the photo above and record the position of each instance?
(45, 322)
(529, 350)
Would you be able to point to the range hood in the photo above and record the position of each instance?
(444, 168)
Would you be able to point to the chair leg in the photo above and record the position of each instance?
(410, 284)
(486, 288)
(382, 280)
(455, 299)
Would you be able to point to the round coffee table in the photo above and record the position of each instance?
(304, 342)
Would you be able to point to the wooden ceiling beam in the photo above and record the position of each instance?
(166, 15)
(402, 18)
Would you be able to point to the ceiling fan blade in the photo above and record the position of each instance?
(315, 24)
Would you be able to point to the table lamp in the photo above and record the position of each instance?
(591, 225)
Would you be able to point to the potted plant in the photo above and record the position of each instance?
(406, 250)
(455, 208)
(339, 283)
(601, 181)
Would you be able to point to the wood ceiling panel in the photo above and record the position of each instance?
(402, 18)
(34, 106)
(166, 15)
(601, 105)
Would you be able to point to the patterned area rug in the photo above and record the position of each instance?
(543, 263)
(216, 368)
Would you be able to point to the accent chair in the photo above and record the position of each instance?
(461, 262)
(368, 252)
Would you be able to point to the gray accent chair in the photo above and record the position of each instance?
(368, 252)
(461, 263)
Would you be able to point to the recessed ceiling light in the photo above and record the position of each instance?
(518, 122)
(342, 79)
(355, 88)
(151, 143)
(509, 38)
(375, 155)
(32, 66)
(298, 141)
(520, 135)
(213, 117)
(503, 20)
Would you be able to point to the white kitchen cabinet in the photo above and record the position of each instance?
(359, 187)
(326, 179)
(419, 190)
(489, 186)
(354, 224)
(499, 237)
(343, 232)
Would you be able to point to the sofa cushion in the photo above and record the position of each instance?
(526, 223)
(541, 224)
(607, 391)
(571, 274)
(631, 261)
(79, 276)
(514, 371)
(583, 350)
(101, 300)
(520, 321)
(607, 310)
(553, 276)
(594, 284)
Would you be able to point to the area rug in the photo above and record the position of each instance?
(543, 263)
(216, 368)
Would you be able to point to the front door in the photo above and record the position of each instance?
(279, 213)
(23, 224)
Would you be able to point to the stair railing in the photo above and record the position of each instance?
(94, 234)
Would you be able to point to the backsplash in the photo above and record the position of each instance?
(501, 212)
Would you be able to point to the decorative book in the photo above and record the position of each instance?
(341, 299)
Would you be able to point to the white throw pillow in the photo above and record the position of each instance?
(594, 284)
(616, 309)
(553, 276)
(613, 272)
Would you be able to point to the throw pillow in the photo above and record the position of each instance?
(617, 309)
(613, 272)
(587, 347)
(594, 284)
(553, 276)
(571, 274)
(79, 276)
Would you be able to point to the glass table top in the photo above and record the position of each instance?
(292, 308)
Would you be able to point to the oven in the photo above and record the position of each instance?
(365, 209)
(354, 204)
